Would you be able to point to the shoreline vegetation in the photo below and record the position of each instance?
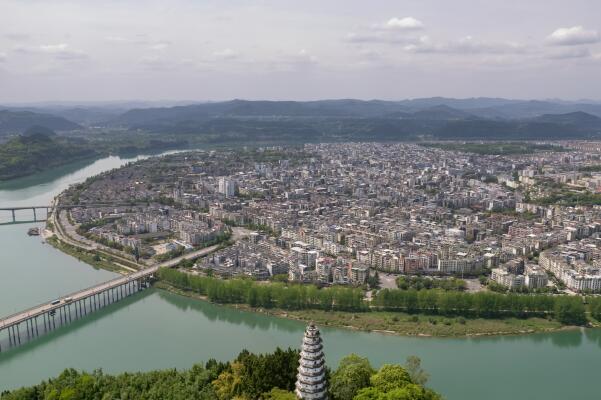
(91, 258)
(393, 311)
(32, 153)
(343, 307)
(395, 323)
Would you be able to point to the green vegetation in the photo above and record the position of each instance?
(248, 377)
(274, 295)
(568, 198)
(410, 312)
(526, 215)
(253, 227)
(497, 287)
(89, 257)
(177, 252)
(416, 324)
(590, 168)
(356, 379)
(420, 282)
(83, 228)
(353, 374)
(39, 148)
(221, 239)
(393, 382)
(568, 310)
(496, 148)
(594, 304)
(36, 152)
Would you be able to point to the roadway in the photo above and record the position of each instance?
(85, 293)
(237, 234)
(80, 295)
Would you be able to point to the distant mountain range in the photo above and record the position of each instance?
(346, 119)
(20, 121)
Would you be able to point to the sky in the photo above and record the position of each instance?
(61, 50)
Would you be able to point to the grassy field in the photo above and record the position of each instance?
(88, 257)
(399, 323)
(495, 148)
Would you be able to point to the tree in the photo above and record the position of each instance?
(261, 373)
(278, 394)
(390, 377)
(570, 310)
(414, 368)
(392, 382)
(595, 307)
(229, 383)
(352, 375)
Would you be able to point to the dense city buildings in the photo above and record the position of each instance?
(336, 213)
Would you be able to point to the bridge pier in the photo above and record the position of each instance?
(35, 218)
(14, 217)
(44, 317)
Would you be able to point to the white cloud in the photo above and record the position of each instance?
(395, 30)
(116, 39)
(226, 54)
(573, 36)
(303, 57)
(570, 53)
(2, 57)
(380, 37)
(287, 61)
(60, 51)
(54, 48)
(159, 46)
(155, 63)
(139, 40)
(406, 23)
(465, 45)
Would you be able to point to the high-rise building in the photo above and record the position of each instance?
(311, 381)
(227, 187)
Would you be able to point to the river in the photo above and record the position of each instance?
(156, 329)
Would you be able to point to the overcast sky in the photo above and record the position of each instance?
(214, 50)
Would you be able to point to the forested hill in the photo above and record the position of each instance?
(435, 118)
(13, 122)
(37, 150)
(238, 121)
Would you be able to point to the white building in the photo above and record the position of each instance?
(227, 187)
(311, 378)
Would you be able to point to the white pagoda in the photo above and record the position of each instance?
(311, 380)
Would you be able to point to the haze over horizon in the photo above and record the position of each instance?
(69, 51)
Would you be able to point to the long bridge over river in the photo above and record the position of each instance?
(26, 325)
(49, 208)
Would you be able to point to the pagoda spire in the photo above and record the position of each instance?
(311, 378)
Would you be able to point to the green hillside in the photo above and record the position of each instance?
(36, 151)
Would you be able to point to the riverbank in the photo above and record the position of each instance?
(389, 322)
(399, 323)
(89, 257)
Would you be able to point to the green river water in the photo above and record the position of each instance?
(156, 329)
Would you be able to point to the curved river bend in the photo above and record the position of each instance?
(156, 329)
